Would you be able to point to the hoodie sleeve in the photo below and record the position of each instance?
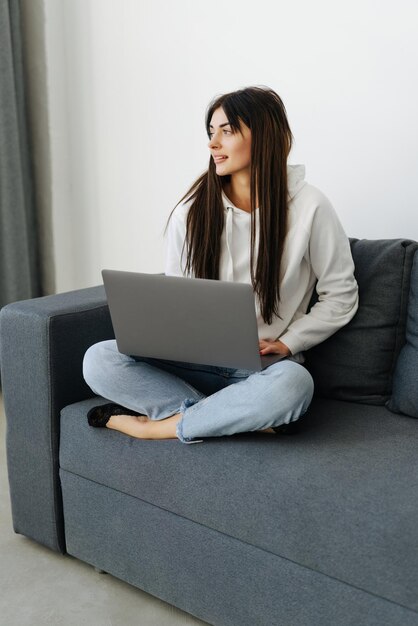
(176, 235)
(332, 264)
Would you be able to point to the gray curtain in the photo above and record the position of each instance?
(19, 249)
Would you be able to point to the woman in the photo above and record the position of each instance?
(251, 218)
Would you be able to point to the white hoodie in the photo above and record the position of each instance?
(317, 251)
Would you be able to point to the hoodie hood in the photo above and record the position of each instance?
(295, 179)
(295, 182)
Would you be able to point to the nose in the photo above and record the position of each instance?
(214, 141)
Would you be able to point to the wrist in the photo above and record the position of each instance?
(283, 349)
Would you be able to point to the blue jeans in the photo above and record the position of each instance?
(213, 401)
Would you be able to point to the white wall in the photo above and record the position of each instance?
(129, 82)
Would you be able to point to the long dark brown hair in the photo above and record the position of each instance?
(262, 110)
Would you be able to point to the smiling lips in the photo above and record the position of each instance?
(218, 159)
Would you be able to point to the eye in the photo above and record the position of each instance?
(225, 131)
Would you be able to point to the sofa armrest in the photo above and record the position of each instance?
(42, 344)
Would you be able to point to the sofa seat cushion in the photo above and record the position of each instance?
(340, 497)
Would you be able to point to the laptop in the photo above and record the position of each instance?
(193, 320)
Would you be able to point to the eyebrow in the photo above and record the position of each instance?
(221, 125)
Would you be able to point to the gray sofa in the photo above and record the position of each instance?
(317, 526)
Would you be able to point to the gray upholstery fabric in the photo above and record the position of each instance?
(216, 577)
(339, 498)
(43, 342)
(405, 383)
(357, 363)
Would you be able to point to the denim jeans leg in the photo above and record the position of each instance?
(136, 384)
(277, 395)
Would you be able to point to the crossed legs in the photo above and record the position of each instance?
(171, 407)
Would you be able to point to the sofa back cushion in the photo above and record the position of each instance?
(358, 362)
(405, 380)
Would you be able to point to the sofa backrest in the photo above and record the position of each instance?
(360, 362)
(405, 380)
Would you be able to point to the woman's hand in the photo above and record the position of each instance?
(273, 347)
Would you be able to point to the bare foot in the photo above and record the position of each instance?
(267, 430)
(144, 428)
(116, 421)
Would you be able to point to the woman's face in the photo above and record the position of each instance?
(224, 142)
